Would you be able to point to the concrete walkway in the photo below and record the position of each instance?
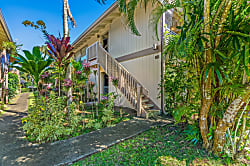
(15, 150)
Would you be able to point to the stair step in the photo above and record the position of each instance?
(147, 106)
(145, 100)
(152, 113)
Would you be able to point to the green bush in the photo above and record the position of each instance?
(13, 84)
(49, 120)
(25, 90)
(106, 113)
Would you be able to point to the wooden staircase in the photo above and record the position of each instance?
(132, 89)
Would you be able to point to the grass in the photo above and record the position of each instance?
(31, 99)
(158, 146)
(1, 113)
(11, 101)
(23, 90)
(14, 99)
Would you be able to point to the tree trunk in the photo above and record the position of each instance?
(65, 19)
(66, 12)
(59, 82)
(222, 20)
(206, 82)
(228, 120)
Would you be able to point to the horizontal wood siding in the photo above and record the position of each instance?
(147, 71)
(123, 42)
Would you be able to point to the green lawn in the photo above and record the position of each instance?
(158, 146)
(31, 99)
(1, 113)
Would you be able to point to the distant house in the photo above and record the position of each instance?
(134, 60)
(5, 36)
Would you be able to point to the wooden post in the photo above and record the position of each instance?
(5, 69)
(1, 79)
(139, 105)
(119, 77)
(88, 90)
(96, 51)
(162, 65)
(107, 71)
(7, 86)
(98, 84)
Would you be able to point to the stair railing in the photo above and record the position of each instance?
(127, 84)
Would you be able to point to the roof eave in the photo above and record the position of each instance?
(4, 24)
(93, 25)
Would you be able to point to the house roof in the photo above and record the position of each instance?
(4, 31)
(105, 19)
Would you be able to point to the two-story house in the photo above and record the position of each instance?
(136, 61)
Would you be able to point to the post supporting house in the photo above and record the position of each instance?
(134, 60)
(5, 59)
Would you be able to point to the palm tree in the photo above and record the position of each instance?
(211, 41)
(66, 16)
(33, 63)
(214, 33)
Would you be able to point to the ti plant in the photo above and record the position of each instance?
(60, 50)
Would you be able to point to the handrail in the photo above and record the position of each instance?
(131, 88)
(144, 90)
(92, 52)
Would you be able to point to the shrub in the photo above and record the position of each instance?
(13, 84)
(50, 120)
(25, 90)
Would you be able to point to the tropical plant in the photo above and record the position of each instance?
(214, 43)
(13, 84)
(8, 50)
(128, 9)
(33, 63)
(40, 25)
(60, 51)
(46, 120)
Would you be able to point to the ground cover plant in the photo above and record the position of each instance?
(13, 85)
(211, 52)
(206, 82)
(50, 120)
(158, 146)
(53, 114)
(31, 99)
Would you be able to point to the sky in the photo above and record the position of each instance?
(15, 12)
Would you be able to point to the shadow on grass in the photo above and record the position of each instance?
(159, 146)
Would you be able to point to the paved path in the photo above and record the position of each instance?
(17, 151)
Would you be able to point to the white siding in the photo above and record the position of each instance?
(123, 42)
(147, 69)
